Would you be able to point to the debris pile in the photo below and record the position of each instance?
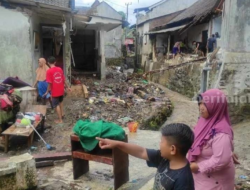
(121, 98)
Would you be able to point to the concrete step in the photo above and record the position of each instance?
(149, 185)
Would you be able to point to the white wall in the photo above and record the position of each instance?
(217, 24)
(195, 33)
(15, 46)
(35, 26)
(236, 27)
(146, 47)
(168, 7)
(105, 10)
(113, 43)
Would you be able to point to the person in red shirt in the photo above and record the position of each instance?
(57, 83)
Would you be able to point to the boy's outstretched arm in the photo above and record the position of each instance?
(131, 149)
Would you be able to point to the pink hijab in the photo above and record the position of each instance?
(218, 121)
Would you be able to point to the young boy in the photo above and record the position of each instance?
(173, 169)
(57, 83)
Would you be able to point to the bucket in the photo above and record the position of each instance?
(132, 126)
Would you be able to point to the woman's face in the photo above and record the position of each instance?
(203, 110)
(40, 63)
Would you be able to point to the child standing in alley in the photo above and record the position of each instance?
(173, 169)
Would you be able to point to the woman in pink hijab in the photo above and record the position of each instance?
(211, 155)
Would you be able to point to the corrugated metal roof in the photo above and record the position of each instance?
(58, 3)
(197, 10)
(82, 10)
(166, 30)
(162, 21)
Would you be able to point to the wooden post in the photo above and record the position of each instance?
(168, 46)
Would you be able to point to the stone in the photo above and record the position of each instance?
(18, 172)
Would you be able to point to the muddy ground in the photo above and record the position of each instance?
(141, 177)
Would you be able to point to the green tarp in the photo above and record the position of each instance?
(88, 131)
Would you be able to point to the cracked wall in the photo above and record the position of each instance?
(15, 45)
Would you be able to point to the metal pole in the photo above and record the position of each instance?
(136, 37)
(127, 4)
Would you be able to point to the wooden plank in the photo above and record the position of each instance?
(75, 138)
(121, 165)
(106, 159)
(53, 156)
(44, 164)
(85, 91)
(80, 167)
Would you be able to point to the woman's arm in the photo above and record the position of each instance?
(222, 155)
(131, 149)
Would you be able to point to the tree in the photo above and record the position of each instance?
(124, 17)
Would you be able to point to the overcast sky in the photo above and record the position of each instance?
(120, 5)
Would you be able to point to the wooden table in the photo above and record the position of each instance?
(22, 131)
(18, 131)
(37, 108)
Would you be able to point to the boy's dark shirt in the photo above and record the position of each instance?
(167, 179)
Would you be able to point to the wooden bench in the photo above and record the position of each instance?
(118, 159)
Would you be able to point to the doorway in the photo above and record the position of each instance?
(53, 43)
(84, 51)
(204, 37)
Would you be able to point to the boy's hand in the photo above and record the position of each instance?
(45, 94)
(106, 143)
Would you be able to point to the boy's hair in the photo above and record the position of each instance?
(193, 42)
(51, 60)
(179, 135)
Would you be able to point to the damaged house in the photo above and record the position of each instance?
(100, 38)
(193, 21)
(153, 17)
(40, 28)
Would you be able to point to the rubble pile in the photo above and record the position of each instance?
(121, 98)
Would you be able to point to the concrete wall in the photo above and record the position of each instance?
(184, 80)
(113, 43)
(105, 10)
(35, 27)
(145, 46)
(15, 45)
(234, 77)
(236, 36)
(217, 24)
(168, 7)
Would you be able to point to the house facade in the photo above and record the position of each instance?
(183, 20)
(34, 29)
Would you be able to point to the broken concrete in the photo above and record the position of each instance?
(18, 172)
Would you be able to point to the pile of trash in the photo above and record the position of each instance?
(122, 98)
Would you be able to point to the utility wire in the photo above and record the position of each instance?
(117, 4)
